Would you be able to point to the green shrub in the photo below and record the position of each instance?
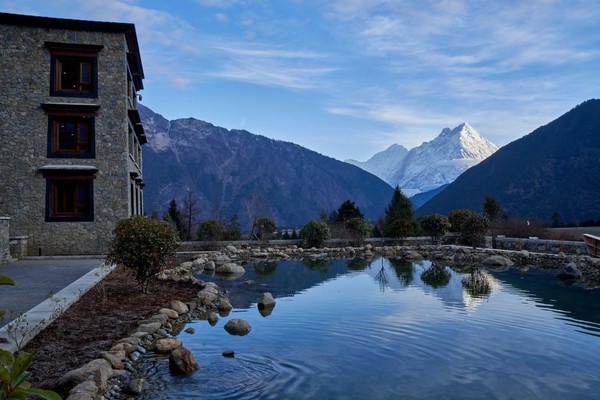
(435, 225)
(314, 233)
(14, 377)
(143, 245)
(469, 226)
(265, 227)
(400, 228)
(212, 230)
(358, 228)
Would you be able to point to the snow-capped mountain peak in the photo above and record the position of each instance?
(433, 163)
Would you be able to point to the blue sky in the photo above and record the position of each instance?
(348, 78)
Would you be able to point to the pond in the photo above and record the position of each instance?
(386, 329)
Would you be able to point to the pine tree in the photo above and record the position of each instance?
(400, 208)
(173, 216)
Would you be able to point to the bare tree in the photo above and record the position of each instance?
(190, 211)
(257, 205)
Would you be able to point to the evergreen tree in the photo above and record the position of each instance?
(346, 212)
(492, 209)
(173, 216)
(400, 208)
(234, 231)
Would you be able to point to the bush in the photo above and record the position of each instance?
(457, 218)
(435, 225)
(143, 245)
(212, 230)
(314, 233)
(400, 228)
(469, 226)
(359, 228)
(264, 227)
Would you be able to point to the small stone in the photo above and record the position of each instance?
(136, 386)
(190, 331)
(212, 318)
(266, 301)
(238, 327)
(229, 353)
(225, 305)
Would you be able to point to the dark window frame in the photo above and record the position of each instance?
(62, 185)
(62, 54)
(70, 113)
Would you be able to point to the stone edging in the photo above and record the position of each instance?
(24, 328)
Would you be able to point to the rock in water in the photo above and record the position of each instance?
(182, 361)
(238, 327)
(569, 272)
(266, 301)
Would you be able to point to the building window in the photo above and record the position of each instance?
(69, 195)
(73, 69)
(71, 130)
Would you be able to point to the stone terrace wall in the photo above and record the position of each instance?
(4, 240)
(541, 246)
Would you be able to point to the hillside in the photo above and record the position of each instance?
(234, 172)
(555, 168)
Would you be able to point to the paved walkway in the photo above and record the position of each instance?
(42, 287)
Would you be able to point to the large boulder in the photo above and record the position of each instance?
(497, 261)
(182, 361)
(179, 306)
(230, 268)
(166, 345)
(569, 272)
(98, 370)
(238, 327)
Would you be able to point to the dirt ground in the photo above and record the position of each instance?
(95, 322)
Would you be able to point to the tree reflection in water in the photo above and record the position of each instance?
(436, 276)
(265, 268)
(316, 265)
(404, 271)
(477, 284)
(358, 264)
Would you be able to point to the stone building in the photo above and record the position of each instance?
(70, 132)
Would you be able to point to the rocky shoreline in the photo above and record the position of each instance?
(112, 375)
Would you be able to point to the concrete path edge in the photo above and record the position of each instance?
(21, 330)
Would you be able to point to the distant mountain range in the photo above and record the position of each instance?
(432, 164)
(554, 169)
(236, 172)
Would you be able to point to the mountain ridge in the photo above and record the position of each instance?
(238, 172)
(554, 169)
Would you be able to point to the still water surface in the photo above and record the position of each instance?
(377, 330)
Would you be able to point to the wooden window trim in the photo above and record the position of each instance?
(73, 52)
(58, 191)
(58, 112)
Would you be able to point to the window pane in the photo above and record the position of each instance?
(69, 74)
(86, 73)
(84, 137)
(67, 134)
(70, 198)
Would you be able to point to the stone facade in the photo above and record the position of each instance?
(115, 166)
(4, 240)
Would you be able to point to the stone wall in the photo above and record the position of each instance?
(4, 240)
(24, 84)
(541, 246)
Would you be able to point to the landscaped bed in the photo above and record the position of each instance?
(95, 322)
